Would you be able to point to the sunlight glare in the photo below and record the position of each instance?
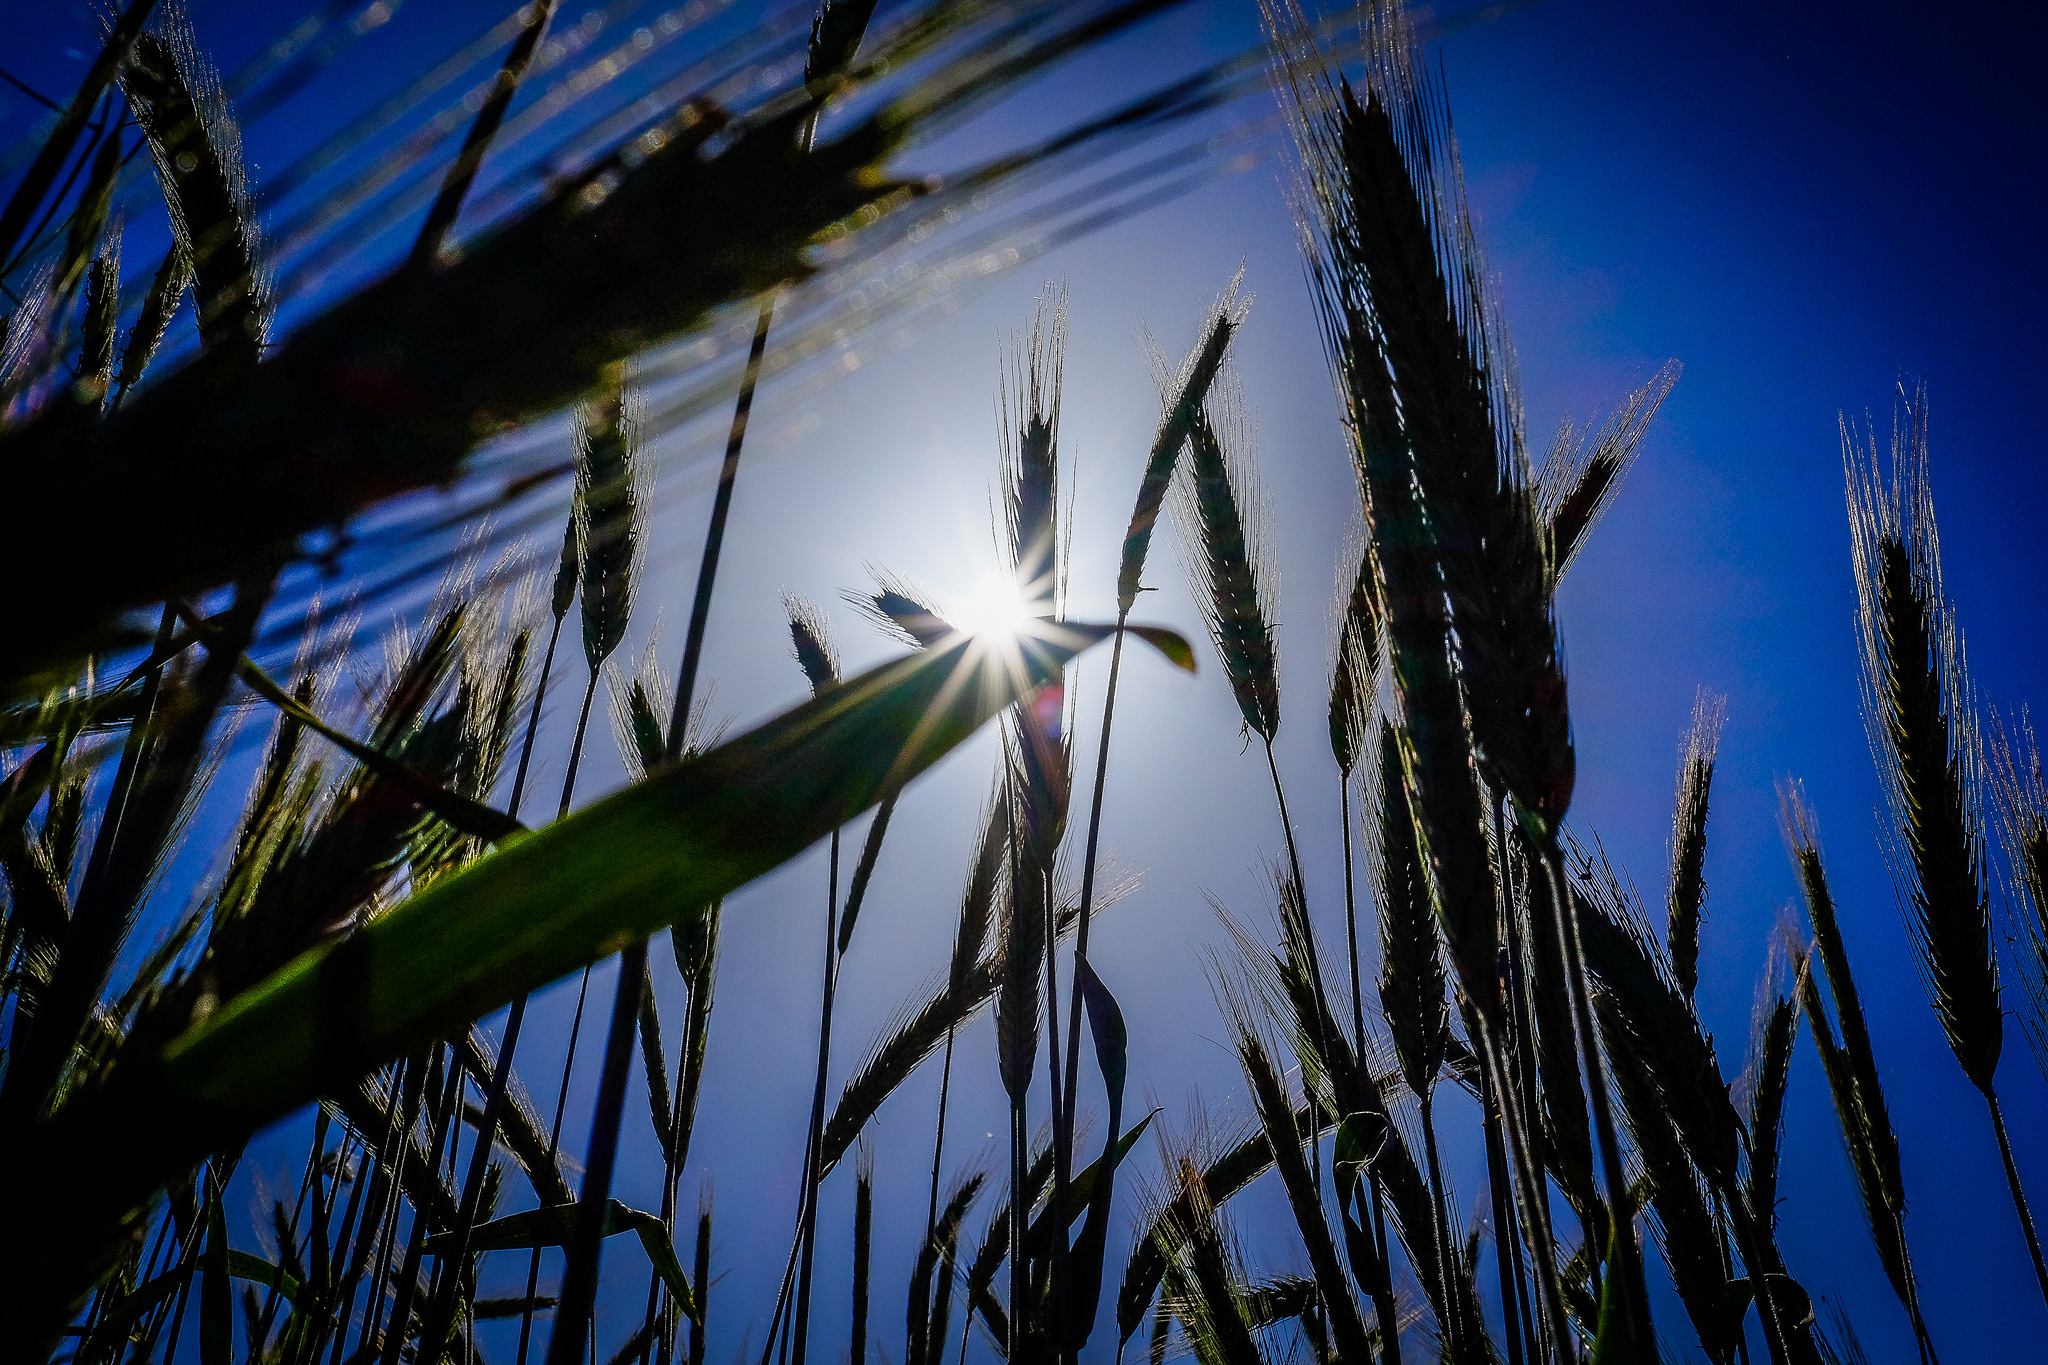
(993, 608)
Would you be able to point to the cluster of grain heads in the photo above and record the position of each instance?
(305, 969)
(1687, 1132)
(1460, 562)
(1346, 1094)
(1276, 1114)
(1205, 1286)
(1016, 870)
(1039, 764)
(1924, 732)
(372, 903)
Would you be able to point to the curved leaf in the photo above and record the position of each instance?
(616, 872)
(550, 1226)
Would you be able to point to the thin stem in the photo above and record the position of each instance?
(366, 1198)
(415, 1246)
(2019, 1199)
(1351, 918)
(714, 538)
(1628, 1261)
(308, 1347)
(1315, 965)
(540, 690)
(1062, 1108)
(416, 1084)
(579, 1281)
(309, 1185)
(1531, 1196)
(582, 993)
(931, 1217)
(1920, 1333)
(863, 1238)
(576, 748)
(1521, 1021)
(1384, 1306)
(830, 991)
(1760, 1268)
(778, 1320)
(1020, 1214)
(554, 1146)
(442, 1312)
(1454, 1329)
(1503, 1227)
(1521, 1273)
(1116, 657)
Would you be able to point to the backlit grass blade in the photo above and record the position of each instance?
(547, 904)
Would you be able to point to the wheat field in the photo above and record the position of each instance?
(1414, 885)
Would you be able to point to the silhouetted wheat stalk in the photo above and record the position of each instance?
(1924, 734)
(1850, 1066)
(1189, 390)
(1436, 439)
(1688, 898)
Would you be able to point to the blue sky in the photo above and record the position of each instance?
(1801, 203)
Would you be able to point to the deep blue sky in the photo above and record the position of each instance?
(1801, 203)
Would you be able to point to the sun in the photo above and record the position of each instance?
(993, 607)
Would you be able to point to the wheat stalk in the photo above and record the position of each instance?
(1688, 894)
(176, 98)
(1181, 398)
(1921, 716)
(1221, 510)
(1584, 471)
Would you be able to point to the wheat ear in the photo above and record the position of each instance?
(1922, 720)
